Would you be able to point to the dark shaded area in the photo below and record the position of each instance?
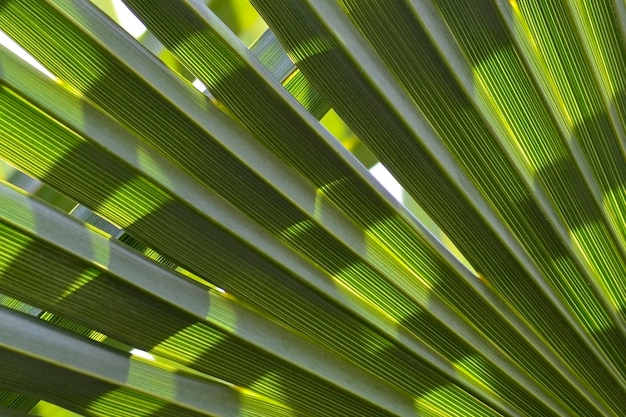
(45, 382)
(613, 341)
(601, 148)
(581, 208)
(16, 401)
(471, 17)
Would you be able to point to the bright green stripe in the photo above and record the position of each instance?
(72, 326)
(497, 59)
(136, 198)
(14, 304)
(599, 30)
(118, 326)
(421, 96)
(301, 89)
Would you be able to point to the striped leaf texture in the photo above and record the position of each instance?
(227, 255)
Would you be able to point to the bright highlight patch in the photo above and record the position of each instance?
(142, 354)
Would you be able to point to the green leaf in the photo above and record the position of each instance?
(199, 332)
(407, 110)
(335, 334)
(285, 269)
(114, 384)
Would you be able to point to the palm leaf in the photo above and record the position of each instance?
(503, 121)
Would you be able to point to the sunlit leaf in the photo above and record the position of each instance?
(288, 281)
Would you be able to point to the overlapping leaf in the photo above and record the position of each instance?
(504, 121)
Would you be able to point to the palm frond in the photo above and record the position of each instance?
(289, 281)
